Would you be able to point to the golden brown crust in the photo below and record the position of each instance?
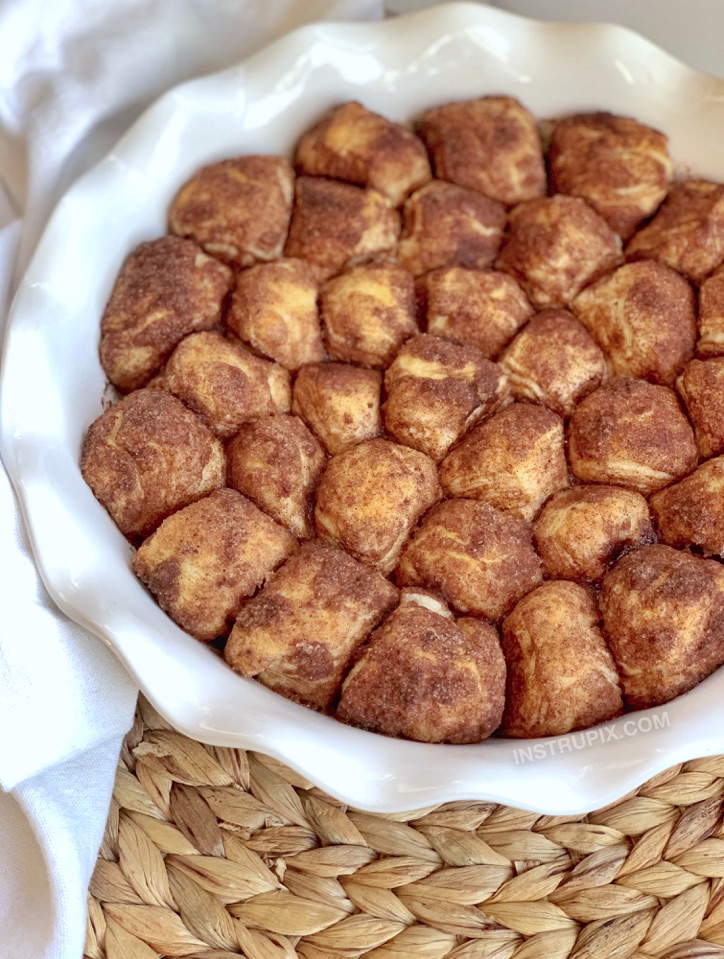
(663, 614)
(371, 497)
(490, 144)
(238, 210)
(631, 433)
(701, 386)
(298, 634)
(352, 143)
(147, 456)
(556, 246)
(339, 402)
(514, 460)
(436, 390)
(166, 289)
(479, 558)
(561, 675)
(711, 315)
(691, 512)
(277, 462)
(204, 559)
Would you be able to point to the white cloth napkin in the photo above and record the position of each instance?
(73, 76)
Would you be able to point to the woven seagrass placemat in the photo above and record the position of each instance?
(212, 852)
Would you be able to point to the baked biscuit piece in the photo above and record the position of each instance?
(687, 233)
(207, 557)
(299, 633)
(148, 455)
(274, 309)
(490, 144)
(436, 390)
(339, 402)
(691, 512)
(479, 558)
(514, 460)
(166, 289)
(368, 312)
(711, 315)
(352, 143)
(663, 615)
(621, 167)
(482, 308)
(336, 225)
(448, 225)
(557, 245)
(644, 316)
(631, 433)
(701, 386)
(238, 210)
(561, 675)
(554, 361)
(425, 677)
(224, 382)
(277, 462)
(583, 529)
(370, 498)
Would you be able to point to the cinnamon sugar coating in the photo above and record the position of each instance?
(299, 633)
(711, 315)
(490, 144)
(339, 402)
(514, 460)
(556, 246)
(644, 316)
(274, 309)
(205, 558)
(436, 390)
(148, 455)
(370, 498)
(663, 615)
(238, 209)
(479, 558)
(631, 433)
(277, 463)
(355, 144)
(561, 675)
(620, 166)
(701, 387)
(691, 512)
(165, 289)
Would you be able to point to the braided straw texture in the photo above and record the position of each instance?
(214, 852)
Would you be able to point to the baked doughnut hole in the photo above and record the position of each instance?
(691, 512)
(340, 403)
(701, 386)
(711, 315)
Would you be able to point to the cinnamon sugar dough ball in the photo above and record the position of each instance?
(448, 225)
(687, 233)
(425, 677)
(701, 386)
(711, 315)
(368, 312)
(204, 559)
(238, 209)
(479, 558)
(514, 460)
(274, 309)
(370, 498)
(224, 383)
(481, 308)
(556, 246)
(277, 463)
(352, 143)
(166, 289)
(561, 675)
(621, 167)
(583, 529)
(148, 455)
(336, 225)
(663, 615)
(300, 631)
(631, 433)
(339, 402)
(691, 512)
(436, 390)
(554, 361)
(644, 316)
(490, 144)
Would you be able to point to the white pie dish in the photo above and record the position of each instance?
(53, 385)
